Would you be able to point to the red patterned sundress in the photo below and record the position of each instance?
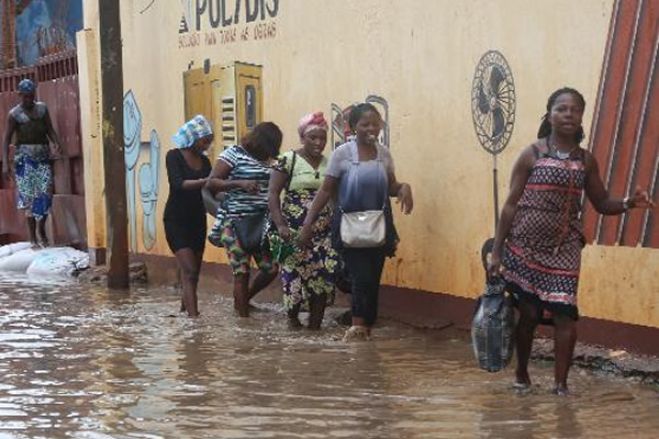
(542, 254)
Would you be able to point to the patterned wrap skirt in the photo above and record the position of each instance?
(34, 180)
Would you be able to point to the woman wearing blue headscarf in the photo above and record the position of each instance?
(31, 123)
(185, 216)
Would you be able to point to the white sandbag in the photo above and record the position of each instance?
(10, 249)
(19, 261)
(60, 261)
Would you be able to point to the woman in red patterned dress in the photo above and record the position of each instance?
(539, 239)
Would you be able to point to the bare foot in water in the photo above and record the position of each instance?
(522, 380)
(356, 333)
(294, 323)
(179, 316)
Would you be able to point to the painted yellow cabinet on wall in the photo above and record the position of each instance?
(229, 96)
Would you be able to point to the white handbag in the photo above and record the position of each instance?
(364, 229)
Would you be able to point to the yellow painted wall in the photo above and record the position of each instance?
(420, 56)
(90, 124)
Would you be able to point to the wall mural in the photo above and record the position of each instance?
(148, 178)
(341, 132)
(493, 102)
(44, 27)
(147, 174)
(493, 110)
(229, 95)
(625, 134)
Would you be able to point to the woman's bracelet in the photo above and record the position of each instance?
(626, 205)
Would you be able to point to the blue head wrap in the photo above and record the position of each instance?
(196, 128)
(27, 86)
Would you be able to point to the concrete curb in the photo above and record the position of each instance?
(645, 369)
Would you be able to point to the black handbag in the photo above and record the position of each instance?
(493, 327)
(250, 231)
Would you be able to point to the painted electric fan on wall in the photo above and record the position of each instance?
(493, 112)
(493, 109)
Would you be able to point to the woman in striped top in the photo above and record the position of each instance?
(242, 172)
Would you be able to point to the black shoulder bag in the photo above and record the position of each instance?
(252, 231)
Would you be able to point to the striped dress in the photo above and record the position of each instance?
(239, 204)
(542, 254)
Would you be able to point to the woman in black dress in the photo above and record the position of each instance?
(185, 216)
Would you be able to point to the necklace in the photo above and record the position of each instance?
(560, 154)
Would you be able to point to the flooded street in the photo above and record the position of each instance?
(79, 362)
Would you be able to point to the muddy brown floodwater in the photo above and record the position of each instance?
(79, 362)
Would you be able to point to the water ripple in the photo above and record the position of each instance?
(84, 363)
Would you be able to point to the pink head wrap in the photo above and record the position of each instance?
(310, 122)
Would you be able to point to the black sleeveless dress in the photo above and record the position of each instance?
(185, 215)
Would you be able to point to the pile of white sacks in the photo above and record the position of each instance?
(20, 257)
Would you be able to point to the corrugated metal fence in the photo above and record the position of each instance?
(57, 78)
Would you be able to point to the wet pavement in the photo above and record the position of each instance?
(79, 362)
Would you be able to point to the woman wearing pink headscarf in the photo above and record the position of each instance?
(307, 275)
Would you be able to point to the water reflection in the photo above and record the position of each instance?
(80, 362)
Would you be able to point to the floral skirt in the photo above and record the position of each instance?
(34, 182)
(310, 271)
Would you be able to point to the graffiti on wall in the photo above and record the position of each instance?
(45, 27)
(341, 131)
(147, 176)
(216, 22)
